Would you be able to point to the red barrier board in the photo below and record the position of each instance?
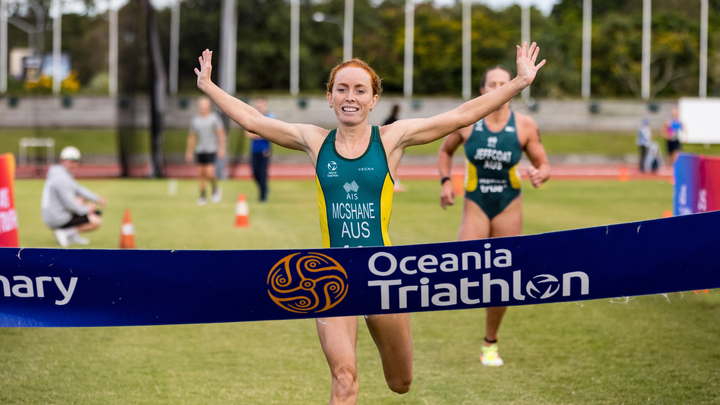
(711, 183)
(8, 215)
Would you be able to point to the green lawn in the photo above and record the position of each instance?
(104, 142)
(653, 349)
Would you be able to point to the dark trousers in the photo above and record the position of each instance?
(260, 168)
(643, 153)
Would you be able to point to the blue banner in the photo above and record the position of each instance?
(687, 184)
(55, 287)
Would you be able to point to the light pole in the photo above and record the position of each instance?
(113, 51)
(703, 47)
(409, 45)
(348, 31)
(3, 46)
(57, 41)
(228, 46)
(295, 47)
(586, 47)
(174, 47)
(645, 85)
(466, 50)
(525, 34)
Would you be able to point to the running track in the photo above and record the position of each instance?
(290, 171)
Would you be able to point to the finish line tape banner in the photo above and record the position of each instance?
(55, 287)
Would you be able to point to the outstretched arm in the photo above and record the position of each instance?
(421, 131)
(293, 136)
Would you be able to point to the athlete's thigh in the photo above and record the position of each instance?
(94, 219)
(393, 338)
(475, 223)
(509, 221)
(338, 338)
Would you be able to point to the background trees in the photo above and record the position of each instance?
(263, 45)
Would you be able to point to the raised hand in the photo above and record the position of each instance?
(526, 68)
(203, 75)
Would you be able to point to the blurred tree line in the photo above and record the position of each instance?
(263, 45)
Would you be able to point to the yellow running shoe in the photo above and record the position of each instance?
(490, 356)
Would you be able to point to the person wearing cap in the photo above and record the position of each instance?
(67, 207)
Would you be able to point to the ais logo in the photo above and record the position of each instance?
(308, 283)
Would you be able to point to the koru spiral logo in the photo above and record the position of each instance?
(308, 283)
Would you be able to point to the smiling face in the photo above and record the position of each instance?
(352, 96)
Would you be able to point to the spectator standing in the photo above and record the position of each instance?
(207, 140)
(260, 152)
(673, 131)
(643, 142)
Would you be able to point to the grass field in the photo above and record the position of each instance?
(653, 349)
(104, 142)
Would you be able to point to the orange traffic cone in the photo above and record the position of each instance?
(127, 232)
(242, 218)
(623, 174)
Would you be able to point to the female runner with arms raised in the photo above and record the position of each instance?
(361, 160)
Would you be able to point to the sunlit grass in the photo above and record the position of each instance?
(654, 349)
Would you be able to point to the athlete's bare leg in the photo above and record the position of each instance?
(674, 156)
(506, 223)
(210, 174)
(476, 225)
(207, 173)
(95, 222)
(493, 319)
(338, 338)
(201, 175)
(393, 338)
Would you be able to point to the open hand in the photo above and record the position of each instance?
(203, 75)
(526, 68)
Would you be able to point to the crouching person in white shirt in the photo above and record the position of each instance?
(67, 207)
